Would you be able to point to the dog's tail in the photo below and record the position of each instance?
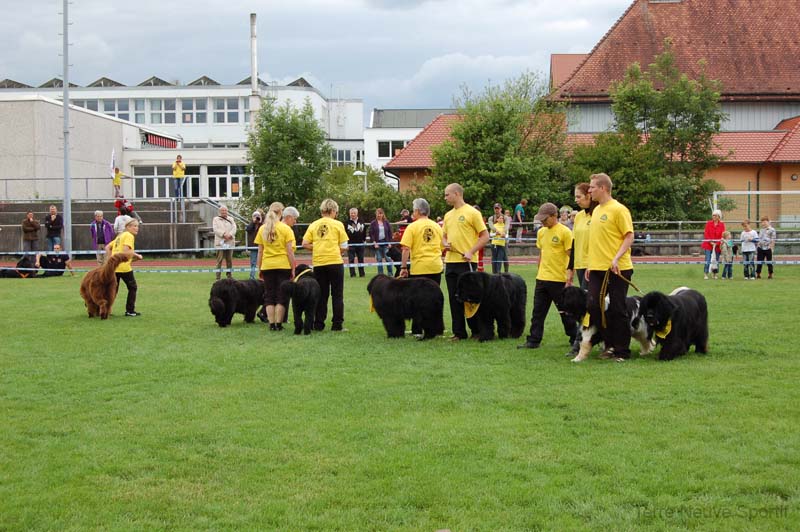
(107, 269)
(287, 289)
(679, 290)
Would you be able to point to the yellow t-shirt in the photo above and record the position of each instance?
(462, 227)
(178, 170)
(117, 179)
(424, 239)
(555, 243)
(580, 237)
(500, 232)
(327, 235)
(274, 255)
(610, 223)
(124, 239)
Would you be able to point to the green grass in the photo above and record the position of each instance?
(168, 422)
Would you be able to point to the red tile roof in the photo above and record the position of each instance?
(788, 150)
(417, 153)
(751, 46)
(562, 66)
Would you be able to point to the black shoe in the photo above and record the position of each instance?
(528, 345)
(133, 314)
(272, 327)
(279, 326)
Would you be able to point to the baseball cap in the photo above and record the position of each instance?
(497, 205)
(545, 211)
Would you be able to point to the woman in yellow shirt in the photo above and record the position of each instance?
(580, 234)
(327, 239)
(276, 262)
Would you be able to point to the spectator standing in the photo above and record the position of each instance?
(519, 218)
(563, 216)
(117, 182)
(102, 233)
(380, 233)
(121, 221)
(726, 255)
(124, 272)
(276, 260)
(402, 223)
(30, 234)
(580, 234)
(712, 234)
(356, 234)
(749, 238)
(610, 268)
(498, 227)
(464, 234)
(251, 231)
(554, 240)
(327, 238)
(178, 173)
(224, 227)
(54, 263)
(766, 245)
(54, 224)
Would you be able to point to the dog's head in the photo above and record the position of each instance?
(573, 302)
(380, 278)
(300, 268)
(472, 287)
(656, 309)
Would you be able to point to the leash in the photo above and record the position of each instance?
(604, 289)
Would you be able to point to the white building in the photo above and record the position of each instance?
(210, 121)
(391, 129)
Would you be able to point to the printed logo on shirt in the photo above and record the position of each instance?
(427, 235)
(322, 230)
(555, 239)
(461, 219)
(604, 218)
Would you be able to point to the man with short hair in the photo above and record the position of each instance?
(54, 224)
(610, 268)
(54, 263)
(519, 218)
(224, 228)
(464, 234)
(30, 234)
(356, 234)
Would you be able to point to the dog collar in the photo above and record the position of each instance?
(299, 275)
(665, 331)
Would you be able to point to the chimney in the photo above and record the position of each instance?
(255, 91)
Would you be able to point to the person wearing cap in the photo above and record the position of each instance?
(610, 268)
(554, 241)
(464, 234)
(251, 230)
(499, 225)
(712, 235)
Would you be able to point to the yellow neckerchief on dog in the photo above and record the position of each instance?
(470, 309)
(371, 306)
(299, 275)
(586, 320)
(665, 332)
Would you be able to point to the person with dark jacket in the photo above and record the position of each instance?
(357, 234)
(102, 233)
(54, 263)
(30, 233)
(54, 224)
(251, 230)
(380, 233)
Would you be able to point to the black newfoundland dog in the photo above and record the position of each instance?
(574, 303)
(397, 300)
(679, 320)
(304, 291)
(499, 297)
(229, 296)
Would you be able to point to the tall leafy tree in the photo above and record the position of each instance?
(508, 144)
(288, 153)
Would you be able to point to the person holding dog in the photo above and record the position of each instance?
(554, 241)
(610, 268)
(464, 234)
(276, 261)
(327, 239)
(124, 272)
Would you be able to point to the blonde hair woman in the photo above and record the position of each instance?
(327, 239)
(276, 262)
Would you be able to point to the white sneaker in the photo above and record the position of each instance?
(705, 277)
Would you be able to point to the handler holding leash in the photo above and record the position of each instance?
(610, 268)
(464, 234)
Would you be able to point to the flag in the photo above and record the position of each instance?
(113, 163)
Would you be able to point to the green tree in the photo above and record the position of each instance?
(288, 154)
(663, 144)
(509, 143)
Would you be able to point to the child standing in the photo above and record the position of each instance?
(749, 239)
(766, 244)
(727, 255)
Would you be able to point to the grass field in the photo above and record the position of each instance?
(167, 422)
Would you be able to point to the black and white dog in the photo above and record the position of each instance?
(574, 303)
(678, 320)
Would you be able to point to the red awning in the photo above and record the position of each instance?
(161, 142)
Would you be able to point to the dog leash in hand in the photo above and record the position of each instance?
(604, 289)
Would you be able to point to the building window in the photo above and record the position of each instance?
(226, 110)
(389, 148)
(341, 158)
(86, 104)
(156, 181)
(117, 108)
(162, 111)
(194, 110)
(226, 181)
(138, 107)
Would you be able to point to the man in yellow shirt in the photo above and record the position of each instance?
(610, 239)
(178, 172)
(464, 235)
(554, 241)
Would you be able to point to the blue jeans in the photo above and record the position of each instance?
(380, 257)
(52, 241)
(499, 259)
(178, 187)
(253, 262)
(749, 264)
(727, 270)
(708, 259)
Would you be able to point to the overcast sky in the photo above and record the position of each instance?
(391, 53)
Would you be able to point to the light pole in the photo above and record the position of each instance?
(359, 173)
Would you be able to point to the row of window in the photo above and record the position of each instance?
(223, 181)
(389, 148)
(172, 110)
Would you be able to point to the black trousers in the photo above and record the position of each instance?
(545, 293)
(353, 252)
(763, 255)
(451, 272)
(416, 328)
(617, 333)
(130, 284)
(331, 281)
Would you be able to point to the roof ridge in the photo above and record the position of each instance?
(784, 141)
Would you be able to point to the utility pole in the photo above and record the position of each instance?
(67, 208)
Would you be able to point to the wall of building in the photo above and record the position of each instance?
(374, 135)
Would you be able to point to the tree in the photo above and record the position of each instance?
(508, 144)
(663, 143)
(287, 153)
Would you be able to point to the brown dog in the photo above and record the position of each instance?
(99, 286)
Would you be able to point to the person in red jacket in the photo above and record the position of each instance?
(712, 235)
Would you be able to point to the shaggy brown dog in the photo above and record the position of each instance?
(99, 286)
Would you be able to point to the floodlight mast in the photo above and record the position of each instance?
(67, 208)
